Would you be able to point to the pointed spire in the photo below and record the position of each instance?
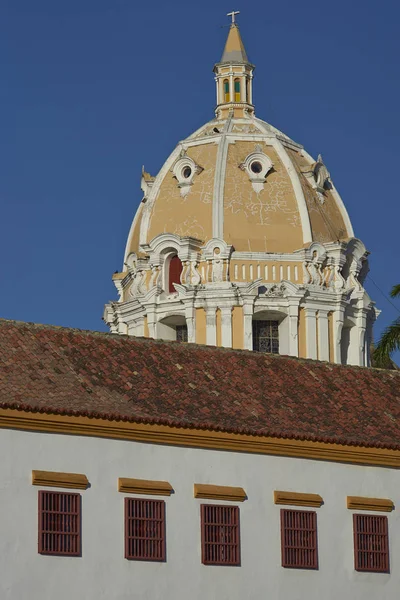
(234, 48)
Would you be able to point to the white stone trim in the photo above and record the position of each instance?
(298, 190)
(219, 185)
(337, 197)
(144, 226)
(138, 215)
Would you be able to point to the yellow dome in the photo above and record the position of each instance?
(242, 241)
(289, 203)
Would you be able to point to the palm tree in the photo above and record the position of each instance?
(390, 340)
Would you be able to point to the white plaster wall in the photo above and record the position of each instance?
(102, 573)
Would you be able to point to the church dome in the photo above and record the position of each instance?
(240, 179)
(241, 240)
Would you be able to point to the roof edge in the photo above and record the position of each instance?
(159, 431)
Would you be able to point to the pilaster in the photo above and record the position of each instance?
(323, 335)
(226, 327)
(248, 326)
(311, 332)
(211, 326)
(338, 320)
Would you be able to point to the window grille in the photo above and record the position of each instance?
(174, 275)
(266, 336)
(144, 529)
(59, 523)
(181, 333)
(371, 543)
(220, 536)
(299, 539)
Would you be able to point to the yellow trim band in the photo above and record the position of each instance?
(61, 480)
(219, 492)
(179, 436)
(361, 503)
(297, 499)
(144, 486)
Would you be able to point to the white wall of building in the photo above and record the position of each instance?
(102, 573)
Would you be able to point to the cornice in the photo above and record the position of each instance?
(144, 486)
(196, 438)
(298, 499)
(60, 480)
(219, 492)
(361, 503)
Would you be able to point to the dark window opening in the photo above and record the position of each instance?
(299, 539)
(59, 523)
(187, 171)
(175, 270)
(220, 536)
(144, 529)
(371, 543)
(181, 333)
(266, 336)
(256, 167)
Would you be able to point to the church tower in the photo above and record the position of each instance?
(242, 241)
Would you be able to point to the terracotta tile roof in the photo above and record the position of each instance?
(69, 371)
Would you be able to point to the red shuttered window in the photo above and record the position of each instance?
(144, 529)
(59, 523)
(175, 270)
(371, 543)
(220, 535)
(299, 539)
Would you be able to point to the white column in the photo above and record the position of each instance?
(231, 90)
(220, 97)
(250, 99)
(323, 335)
(248, 326)
(361, 329)
(293, 316)
(190, 314)
(226, 327)
(311, 332)
(211, 327)
(136, 327)
(338, 320)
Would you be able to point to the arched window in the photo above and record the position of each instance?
(227, 95)
(266, 336)
(174, 273)
(237, 90)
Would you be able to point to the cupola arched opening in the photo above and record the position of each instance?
(174, 272)
(227, 96)
(237, 90)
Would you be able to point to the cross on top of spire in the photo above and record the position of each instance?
(233, 15)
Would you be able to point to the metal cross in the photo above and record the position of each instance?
(233, 14)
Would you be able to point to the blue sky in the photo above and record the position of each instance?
(93, 89)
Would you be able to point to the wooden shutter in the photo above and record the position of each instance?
(371, 543)
(175, 270)
(59, 523)
(299, 539)
(144, 529)
(220, 535)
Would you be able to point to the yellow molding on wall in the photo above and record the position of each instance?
(61, 480)
(298, 499)
(197, 438)
(144, 486)
(361, 503)
(219, 492)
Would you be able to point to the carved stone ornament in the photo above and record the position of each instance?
(257, 165)
(319, 178)
(185, 170)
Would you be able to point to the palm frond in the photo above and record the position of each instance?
(395, 291)
(389, 343)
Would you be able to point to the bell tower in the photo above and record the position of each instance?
(233, 76)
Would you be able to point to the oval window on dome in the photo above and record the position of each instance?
(187, 171)
(256, 166)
